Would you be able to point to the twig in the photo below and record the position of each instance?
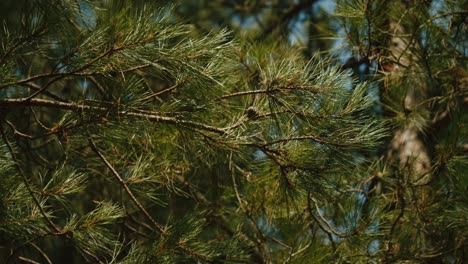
(311, 89)
(400, 214)
(59, 76)
(42, 253)
(175, 86)
(26, 183)
(16, 132)
(135, 68)
(234, 184)
(332, 230)
(27, 260)
(126, 188)
(21, 43)
(311, 214)
(308, 137)
(37, 119)
(98, 86)
(44, 88)
(36, 87)
(450, 13)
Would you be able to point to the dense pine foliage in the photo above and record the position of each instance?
(233, 131)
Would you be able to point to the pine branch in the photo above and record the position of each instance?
(51, 224)
(130, 113)
(167, 90)
(276, 89)
(126, 188)
(332, 230)
(308, 137)
(21, 42)
(323, 228)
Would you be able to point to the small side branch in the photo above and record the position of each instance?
(126, 188)
(308, 137)
(328, 227)
(167, 90)
(26, 183)
(310, 89)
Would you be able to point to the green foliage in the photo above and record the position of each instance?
(138, 132)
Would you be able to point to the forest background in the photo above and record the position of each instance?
(232, 131)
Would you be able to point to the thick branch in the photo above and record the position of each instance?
(83, 107)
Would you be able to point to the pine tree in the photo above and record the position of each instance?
(136, 132)
(415, 50)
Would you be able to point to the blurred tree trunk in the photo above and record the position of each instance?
(408, 145)
(408, 153)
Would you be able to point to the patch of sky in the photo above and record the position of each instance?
(327, 5)
(87, 16)
(423, 38)
(245, 22)
(338, 47)
(84, 84)
(61, 68)
(259, 155)
(439, 13)
(435, 8)
(442, 17)
(363, 68)
(298, 34)
(374, 245)
(374, 92)
(298, 28)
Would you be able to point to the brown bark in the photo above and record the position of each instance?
(408, 146)
(408, 150)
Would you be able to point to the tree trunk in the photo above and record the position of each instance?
(408, 150)
(408, 145)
